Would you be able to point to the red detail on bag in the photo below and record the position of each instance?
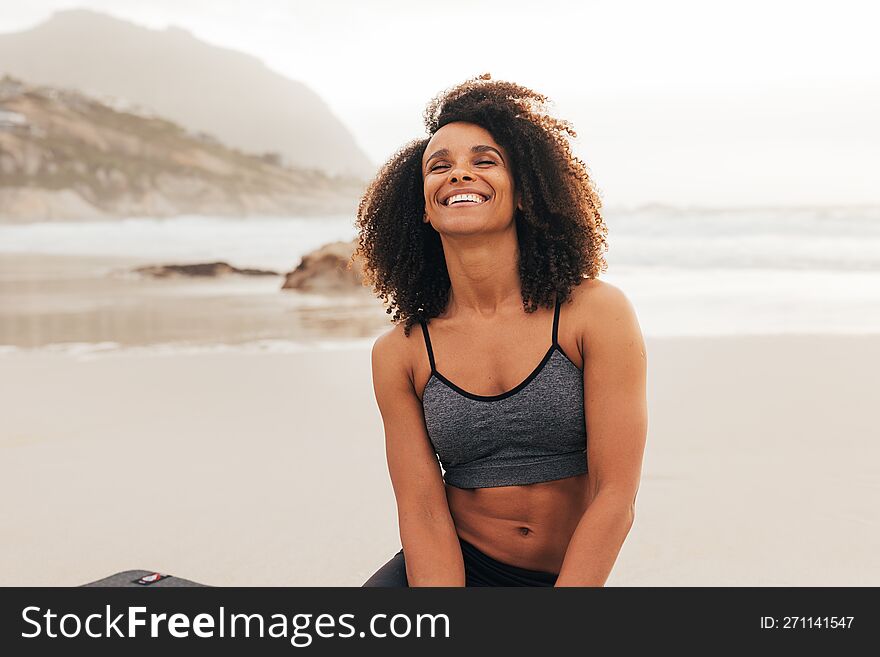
(152, 578)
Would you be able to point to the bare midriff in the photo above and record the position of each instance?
(525, 526)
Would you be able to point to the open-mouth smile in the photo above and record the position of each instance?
(465, 200)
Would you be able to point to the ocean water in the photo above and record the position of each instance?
(265, 243)
(687, 271)
(721, 272)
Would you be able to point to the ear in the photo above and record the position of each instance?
(519, 201)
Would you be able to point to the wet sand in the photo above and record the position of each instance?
(57, 299)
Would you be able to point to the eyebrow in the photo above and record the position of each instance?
(479, 148)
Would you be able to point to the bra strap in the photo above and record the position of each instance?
(428, 345)
(556, 322)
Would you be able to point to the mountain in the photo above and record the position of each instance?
(65, 155)
(202, 87)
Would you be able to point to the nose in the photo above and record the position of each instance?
(455, 176)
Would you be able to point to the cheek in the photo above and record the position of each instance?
(503, 181)
(429, 190)
(504, 188)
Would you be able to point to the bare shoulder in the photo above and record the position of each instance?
(392, 352)
(595, 295)
(604, 314)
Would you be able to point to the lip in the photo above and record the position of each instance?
(465, 190)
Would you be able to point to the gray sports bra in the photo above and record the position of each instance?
(534, 432)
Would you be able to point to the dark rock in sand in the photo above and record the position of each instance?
(205, 269)
(326, 270)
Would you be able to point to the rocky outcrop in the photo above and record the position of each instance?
(206, 269)
(67, 156)
(326, 271)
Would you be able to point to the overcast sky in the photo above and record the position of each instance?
(680, 102)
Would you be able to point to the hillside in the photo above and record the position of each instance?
(67, 156)
(202, 87)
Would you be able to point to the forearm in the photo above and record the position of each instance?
(596, 542)
(432, 554)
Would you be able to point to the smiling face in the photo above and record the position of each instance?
(468, 179)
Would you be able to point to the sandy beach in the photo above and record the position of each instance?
(267, 469)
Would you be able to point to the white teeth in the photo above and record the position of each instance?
(474, 198)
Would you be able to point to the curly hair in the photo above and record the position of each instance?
(560, 231)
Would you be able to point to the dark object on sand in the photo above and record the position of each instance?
(209, 269)
(326, 270)
(143, 578)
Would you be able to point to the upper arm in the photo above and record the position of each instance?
(412, 464)
(615, 397)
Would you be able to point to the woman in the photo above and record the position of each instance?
(488, 236)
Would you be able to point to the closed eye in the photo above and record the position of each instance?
(446, 165)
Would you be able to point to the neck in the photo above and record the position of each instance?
(484, 277)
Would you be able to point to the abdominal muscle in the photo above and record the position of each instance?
(525, 526)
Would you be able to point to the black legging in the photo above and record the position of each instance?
(479, 569)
